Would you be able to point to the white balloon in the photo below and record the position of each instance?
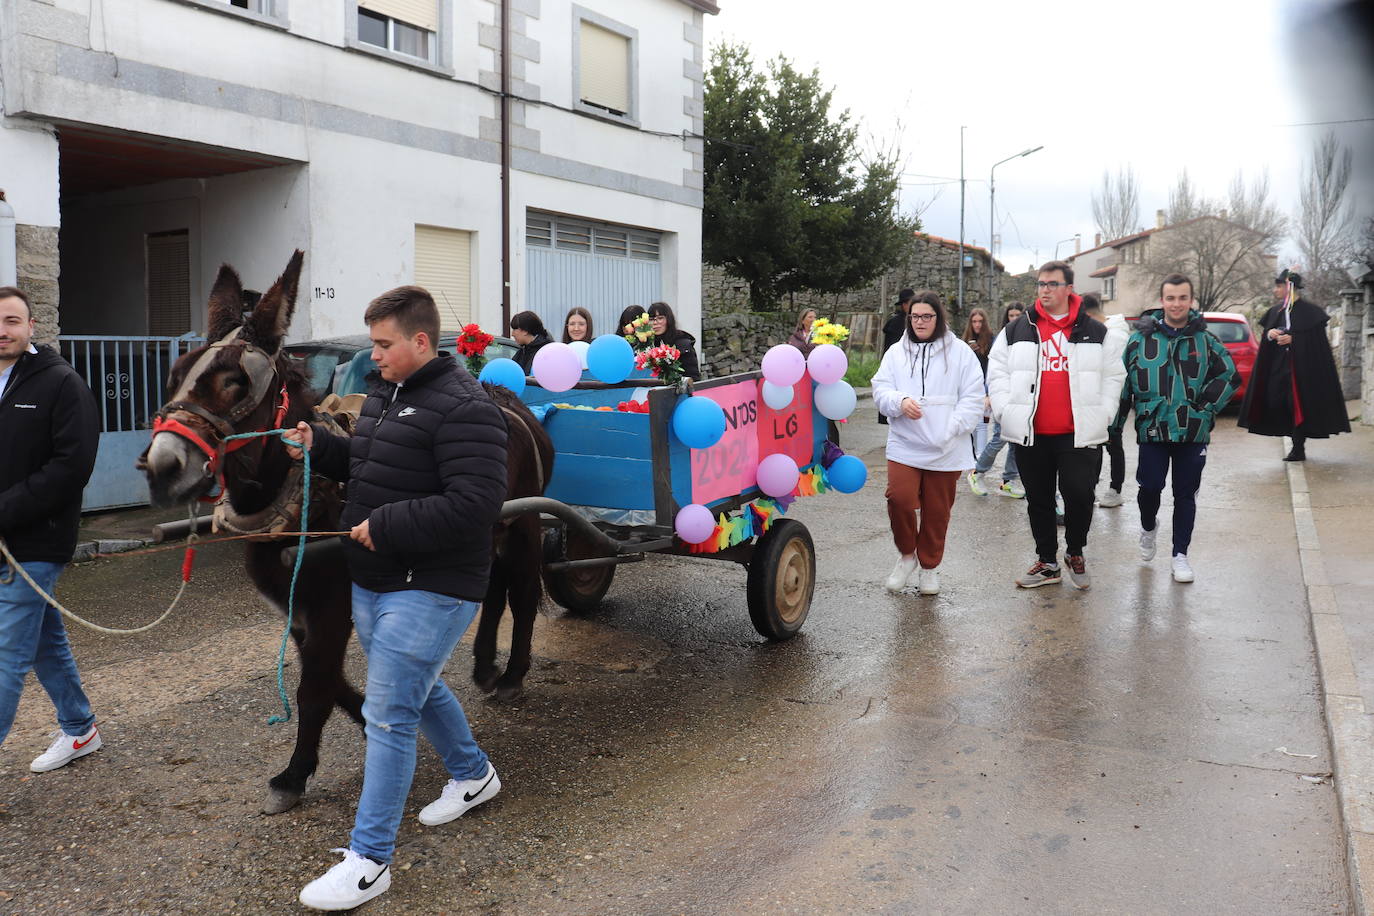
(836, 400)
(776, 396)
(580, 347)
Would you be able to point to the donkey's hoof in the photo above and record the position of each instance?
(510, 694)
(488, 683)
(280, 800)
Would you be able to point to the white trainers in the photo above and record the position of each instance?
(896, 580)
(1183, 572)
(975, 483)
(353, 882)
(1147, 544)
(460, 797)
(65, 749)
(1110, 499)
(929, 580)
(1013, 489)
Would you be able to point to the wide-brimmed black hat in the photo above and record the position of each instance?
(1289, 276)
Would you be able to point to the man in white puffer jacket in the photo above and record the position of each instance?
(1054, 376)
(930, 386)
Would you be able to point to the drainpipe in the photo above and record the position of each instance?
(9, 258)
(505, 166)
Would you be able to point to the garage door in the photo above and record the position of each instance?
(599, 266)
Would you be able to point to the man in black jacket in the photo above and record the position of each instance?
(896, 326)
(426, 475)
(48, 435)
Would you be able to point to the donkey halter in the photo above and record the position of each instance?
(261, 370)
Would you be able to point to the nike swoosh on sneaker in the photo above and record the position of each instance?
(78, 745)
(469, 797)
(364, 884)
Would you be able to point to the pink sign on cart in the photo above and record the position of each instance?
(753, 431)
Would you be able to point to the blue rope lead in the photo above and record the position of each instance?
(295, 570)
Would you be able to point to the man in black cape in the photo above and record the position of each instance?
(896, 326)
(1294, 389)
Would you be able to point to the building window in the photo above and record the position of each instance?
(168, 267)
(404, 26)
(443, 265)
(1108, 289)
(604, 55)
(254, 6)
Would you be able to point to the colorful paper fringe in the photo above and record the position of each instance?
(756, 517)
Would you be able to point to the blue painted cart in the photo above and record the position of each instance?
(619, 479)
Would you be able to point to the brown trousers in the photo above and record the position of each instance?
(910, 490)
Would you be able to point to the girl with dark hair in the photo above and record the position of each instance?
(801, 335)
(930, 388)
(577, 325)
(978, 335)
(528, 331)
(666, 331)
(1011, 475)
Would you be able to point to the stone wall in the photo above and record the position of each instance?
(1350, 349)
(736, 341)
(36, 248)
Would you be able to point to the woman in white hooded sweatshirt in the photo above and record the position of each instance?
(930, 386)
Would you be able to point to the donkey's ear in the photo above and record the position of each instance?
(271, 317)
(226, 304)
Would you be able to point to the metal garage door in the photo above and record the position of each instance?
(599, 266)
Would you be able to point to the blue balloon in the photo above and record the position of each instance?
(504, 372)
(610, 359)
(847, 474)
(698, 422)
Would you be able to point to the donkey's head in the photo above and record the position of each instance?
(230, 386)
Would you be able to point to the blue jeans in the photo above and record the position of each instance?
(408, 636)
(1188, 459)
(985, 460)
(32, 637)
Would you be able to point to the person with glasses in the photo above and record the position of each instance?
(1054, 377)
(930, 387)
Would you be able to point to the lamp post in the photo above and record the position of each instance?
(1071, 238)
(962, 128)
(992, 223)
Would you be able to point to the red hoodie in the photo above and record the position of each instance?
(1054, 408)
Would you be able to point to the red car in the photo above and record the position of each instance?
(1234, 331)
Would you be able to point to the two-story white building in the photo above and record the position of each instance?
(144, 142)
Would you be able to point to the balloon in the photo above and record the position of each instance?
(694, 523)
(698, 422)
(836, 400)
(827, 364)
(580, 347)
(611, 359)
(776, 396)
(784, 365)
(847, 474)
(504, 372)
(556, 367)
(778, 474)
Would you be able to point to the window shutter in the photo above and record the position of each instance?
(443, 265)
(421, 13)
(169, 283)
(605, 68)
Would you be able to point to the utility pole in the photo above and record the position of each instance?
(961, 218)
(992, 223)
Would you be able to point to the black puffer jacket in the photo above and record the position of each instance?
(427, 468)
(48, 436)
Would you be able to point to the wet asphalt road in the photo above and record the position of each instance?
(986, 750)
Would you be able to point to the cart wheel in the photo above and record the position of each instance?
(782, 577)
(578, 590)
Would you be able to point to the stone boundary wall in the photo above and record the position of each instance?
(36, 250)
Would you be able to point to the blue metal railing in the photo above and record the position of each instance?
(127, 374)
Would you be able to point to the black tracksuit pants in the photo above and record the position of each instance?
(1053, 463)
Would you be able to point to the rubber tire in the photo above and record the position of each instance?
(579, 590)
(782, 580)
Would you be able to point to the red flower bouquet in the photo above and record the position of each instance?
(663, 362)
(472, 344)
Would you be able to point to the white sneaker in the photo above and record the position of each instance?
(1013, 489)
(1182, 571)
(1147, 544)
(353, 882)
(1110, 499)
(896, 580)
(460, 797)
(975, 483)
(929, 580)
(65, 749)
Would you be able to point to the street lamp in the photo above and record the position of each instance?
(1071, 238)
(992, 223)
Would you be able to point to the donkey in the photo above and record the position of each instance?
(243, 382)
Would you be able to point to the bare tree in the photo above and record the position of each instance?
(1184, 203)
(1325, 228)
(1225, 248)
(1116, 206)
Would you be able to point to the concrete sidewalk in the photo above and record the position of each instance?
(1333, 512)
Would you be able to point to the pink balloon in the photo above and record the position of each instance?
(694, 523)
(827, 363)
(778, 474)
(556, 367)
(784, 365)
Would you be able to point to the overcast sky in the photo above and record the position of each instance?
(1201, 84)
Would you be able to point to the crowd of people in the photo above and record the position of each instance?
(1058, 382)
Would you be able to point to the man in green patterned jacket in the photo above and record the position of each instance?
(1178, 378)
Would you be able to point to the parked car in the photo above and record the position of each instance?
(1235, 333)
(341, 363)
